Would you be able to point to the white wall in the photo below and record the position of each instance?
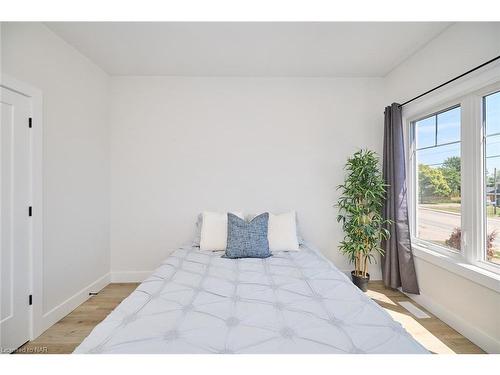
(459, 48)
(468, 307)
(183, 145)
(76, 159)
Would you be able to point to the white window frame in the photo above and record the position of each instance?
(479, 250)
(470, 260)
(413, 178)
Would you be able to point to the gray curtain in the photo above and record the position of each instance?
(398, 268)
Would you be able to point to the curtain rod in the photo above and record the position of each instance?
(451, 80)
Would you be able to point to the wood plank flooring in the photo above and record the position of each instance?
(431, 332)
(69, 332)
(64, 336)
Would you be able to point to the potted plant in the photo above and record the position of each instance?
(360, 212)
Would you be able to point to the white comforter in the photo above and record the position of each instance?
(292, 302)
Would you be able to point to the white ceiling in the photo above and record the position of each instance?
(340, 49)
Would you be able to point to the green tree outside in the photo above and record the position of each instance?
(432, 184)
(440, 184)
(451, 173)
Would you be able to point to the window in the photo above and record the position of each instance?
(454, 179)
(438, 166)
(491, 146)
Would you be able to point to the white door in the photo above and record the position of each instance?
(15, 220)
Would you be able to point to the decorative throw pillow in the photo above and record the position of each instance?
(247, 239)
(282, 232)
(300, 239)
(213, 235)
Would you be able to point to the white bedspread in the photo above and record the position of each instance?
(292, 302)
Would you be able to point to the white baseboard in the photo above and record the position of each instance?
(60, 311)
(129, 276)
(483, 340)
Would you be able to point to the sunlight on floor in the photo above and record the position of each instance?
(379, 297)
(435, 335)
(424, 336)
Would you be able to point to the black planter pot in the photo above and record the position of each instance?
(360, 282)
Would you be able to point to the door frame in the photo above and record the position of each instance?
(36, 230)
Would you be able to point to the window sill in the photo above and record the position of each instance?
(476, 274)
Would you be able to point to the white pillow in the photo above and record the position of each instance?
(214, 230)
(282, 232)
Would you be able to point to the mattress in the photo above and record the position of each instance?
(292, 302)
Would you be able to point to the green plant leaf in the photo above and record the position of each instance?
(360, 206)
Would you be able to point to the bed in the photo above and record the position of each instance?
(292, 302)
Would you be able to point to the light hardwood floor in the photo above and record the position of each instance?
(69, 332)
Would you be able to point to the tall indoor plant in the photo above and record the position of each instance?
(360, 212)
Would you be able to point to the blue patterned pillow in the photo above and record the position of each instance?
(247, 239)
